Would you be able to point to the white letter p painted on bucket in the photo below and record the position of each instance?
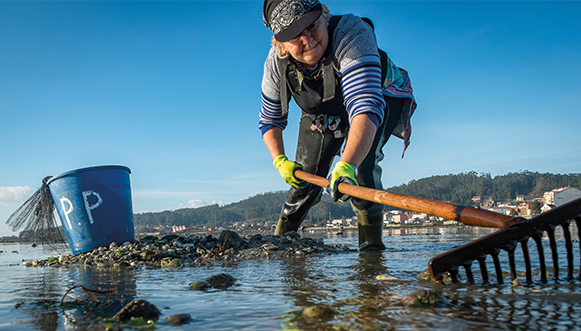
(67, 211)
(90, 207)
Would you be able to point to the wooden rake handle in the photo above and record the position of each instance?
(469, 215)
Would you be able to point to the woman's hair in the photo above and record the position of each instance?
(279, 51)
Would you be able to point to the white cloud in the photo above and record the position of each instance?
(14, 195)
(190, 204)
(196, 204)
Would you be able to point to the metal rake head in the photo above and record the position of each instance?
(508, 239)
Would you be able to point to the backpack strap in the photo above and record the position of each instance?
(328, 70)
(284, 88)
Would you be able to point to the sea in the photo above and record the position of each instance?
(361, 291)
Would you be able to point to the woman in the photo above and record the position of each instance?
(333, 70)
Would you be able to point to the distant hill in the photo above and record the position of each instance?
(458, 188)
(462, 187)
(259, 208)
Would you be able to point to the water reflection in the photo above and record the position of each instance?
(539, 308)
(41, 295)
(303, 278)
(369, 265)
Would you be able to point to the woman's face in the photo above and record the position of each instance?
(309, 47)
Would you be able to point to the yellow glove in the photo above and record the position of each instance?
(343, 172)
(287, 169)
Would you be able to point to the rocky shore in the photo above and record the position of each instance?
(175, 251)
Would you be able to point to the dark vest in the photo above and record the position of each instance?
(316, 94)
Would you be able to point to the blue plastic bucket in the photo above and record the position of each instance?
(94, 206)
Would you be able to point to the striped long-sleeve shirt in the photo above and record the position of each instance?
(355, 58)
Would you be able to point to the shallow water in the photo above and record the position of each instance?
(270, 294)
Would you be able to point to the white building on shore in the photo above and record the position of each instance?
(561, 196)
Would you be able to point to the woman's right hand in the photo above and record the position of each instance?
(287, 168)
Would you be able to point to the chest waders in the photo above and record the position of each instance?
(319, 96)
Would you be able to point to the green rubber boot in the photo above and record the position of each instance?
(370, 231)
(283, 227)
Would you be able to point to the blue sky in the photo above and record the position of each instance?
(171, 89)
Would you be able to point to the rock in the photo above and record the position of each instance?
(318, 311)
(231, 239)
(168, 262)
(220, 280)
(148, 239)
(425, 298)
(137, 308)
(256, 238)
(386, 277)
(292, 234)
(425, 276)
(200, 285)
(123, 264)
(170, 237)
(178, 318)
(269, 247)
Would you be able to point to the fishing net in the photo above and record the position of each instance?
(36, 218)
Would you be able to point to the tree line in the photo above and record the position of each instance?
(456, 188)
(460, 188)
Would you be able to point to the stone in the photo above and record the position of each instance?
(138, 308)
(231, 239)
(200, 285)
(269, 247)
(318, 311)
(220, 280)
(386, 277)
(178, 318)
(425, 276)
(425, 298)
(292, 234)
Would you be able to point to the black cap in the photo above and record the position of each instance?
(289, 18)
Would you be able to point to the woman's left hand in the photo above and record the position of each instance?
(343, 172)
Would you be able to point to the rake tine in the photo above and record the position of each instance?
(483, 269)
(554, 253)
(578, 222)
(468, 269)
(498, 269)
(538, 240)
(525, 250)
(512, 264)
(454, 275)
(569, 246)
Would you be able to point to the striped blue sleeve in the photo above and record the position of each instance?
(271, 115)
(361, 86)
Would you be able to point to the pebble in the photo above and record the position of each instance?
(138, 308)
(386, 277)
(318, 311)
(178, 318)
(425, 298)
(219, 281)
